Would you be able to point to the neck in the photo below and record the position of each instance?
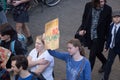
(24, 73)
(77, 56)
(43, 50)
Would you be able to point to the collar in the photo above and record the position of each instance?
(117, 25)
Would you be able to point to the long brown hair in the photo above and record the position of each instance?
(76, 43)
(96, 3)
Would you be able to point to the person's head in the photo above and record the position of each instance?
(74, 46)
(98, 3)
(39, 43)
(19, 63)
(116, 17)
(6, 32)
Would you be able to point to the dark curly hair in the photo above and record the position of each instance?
(7, 29)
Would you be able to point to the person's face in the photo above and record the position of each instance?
(5, 37)
(39, 45)
(116, 19)
(102, 2)
(71, 49)
(14, 68)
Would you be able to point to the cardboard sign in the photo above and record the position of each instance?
(52, 34)
(4, 56)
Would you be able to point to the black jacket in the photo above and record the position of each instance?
(103, 23)
(117, 40)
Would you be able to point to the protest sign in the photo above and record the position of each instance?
(52, 34)
(4, 56)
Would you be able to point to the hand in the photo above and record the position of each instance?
(9, 1)
(42, 61)
(3, 65)
(9, 70)
(16, 3)
(105, 50)
(82, 32)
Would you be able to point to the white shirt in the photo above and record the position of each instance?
(48, 71)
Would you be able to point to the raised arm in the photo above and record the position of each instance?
(59, 55)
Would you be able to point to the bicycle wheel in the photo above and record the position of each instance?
(51, 2)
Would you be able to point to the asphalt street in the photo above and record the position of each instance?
(69, 13)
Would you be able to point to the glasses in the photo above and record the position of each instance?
(2, 34)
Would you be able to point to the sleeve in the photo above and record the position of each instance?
(85, 16)
(59, 55)
(109, 38)
(49, 57)
(87, 70)
(108, 21)
(31, 52)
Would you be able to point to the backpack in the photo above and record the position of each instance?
(22, 40)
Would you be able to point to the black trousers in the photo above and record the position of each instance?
(111, 58)
(96, 51)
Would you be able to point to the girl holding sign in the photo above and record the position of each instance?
(77, 66)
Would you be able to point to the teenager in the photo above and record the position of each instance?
(77, 65)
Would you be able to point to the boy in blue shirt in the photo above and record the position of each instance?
(19, 67)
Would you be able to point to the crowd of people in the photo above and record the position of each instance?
(99, 31)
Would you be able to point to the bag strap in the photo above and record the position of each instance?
(81, 67)
(12, 47)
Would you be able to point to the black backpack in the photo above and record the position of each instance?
(22, 40)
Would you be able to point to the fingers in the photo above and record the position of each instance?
(82, 32)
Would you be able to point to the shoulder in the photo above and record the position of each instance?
(33, 51)
(89, 4)
(107, 7)
(86, 61)
(112, 23)
(47, 55)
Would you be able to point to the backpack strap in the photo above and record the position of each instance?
(81, 68)
(12, 47)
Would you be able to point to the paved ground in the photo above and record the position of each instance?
(69, 13)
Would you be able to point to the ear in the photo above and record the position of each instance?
(77, 47)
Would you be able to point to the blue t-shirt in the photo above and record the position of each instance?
(73, 67)
(28, 78)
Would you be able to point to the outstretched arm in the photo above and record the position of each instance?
(59, 55)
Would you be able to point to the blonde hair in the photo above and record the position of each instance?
(76, 43)
(40, 37)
